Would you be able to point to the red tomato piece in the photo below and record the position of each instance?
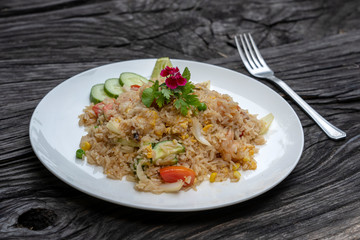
(135, 87)
(175, 173)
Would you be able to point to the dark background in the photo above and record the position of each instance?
(313, 45)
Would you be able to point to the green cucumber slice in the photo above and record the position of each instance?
(128, 79)
(113, 88)
(97, 93)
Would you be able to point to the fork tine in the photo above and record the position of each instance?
(249, 59)
(242, 56)
(256, 62)
(258, 55)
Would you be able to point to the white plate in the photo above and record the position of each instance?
(55, 137)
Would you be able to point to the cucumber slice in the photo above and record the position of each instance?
(97, 93)
(164, 149)
(128, 79)
(160, 64)
(113, 88)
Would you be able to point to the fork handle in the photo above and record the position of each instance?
(332, 131)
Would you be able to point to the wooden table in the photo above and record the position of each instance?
(313, 45)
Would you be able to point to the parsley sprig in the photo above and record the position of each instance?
(182, 97)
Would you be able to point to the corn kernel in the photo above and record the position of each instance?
(193, 139)
(251, 152)
(213, 176)
(237, 175)
(85, 146)
(236, 166)
(168, 129)
(207, 127)
(149, 151)
(155, 114)
(183, 137)
(184, 125)
(158, 133)
(246, 159)
(253, 165)
(174, 130)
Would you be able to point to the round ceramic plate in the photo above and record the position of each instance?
(55, 136)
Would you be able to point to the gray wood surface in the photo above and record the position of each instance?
(313, 45)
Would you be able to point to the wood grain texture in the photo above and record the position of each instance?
(312, 45)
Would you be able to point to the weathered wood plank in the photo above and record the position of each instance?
(312, 45)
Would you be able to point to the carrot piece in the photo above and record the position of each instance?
(175, 173)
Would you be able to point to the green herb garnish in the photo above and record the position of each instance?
(177, 89)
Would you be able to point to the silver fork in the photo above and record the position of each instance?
(256, 65)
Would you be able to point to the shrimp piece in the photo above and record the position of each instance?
(230, 149)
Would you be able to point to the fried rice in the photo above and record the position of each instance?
(232, 134)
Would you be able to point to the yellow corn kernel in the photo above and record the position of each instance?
(85, 146)
(184, 124)
(251, 152)
(193, 139)
(155, 116)
(168, 129)
(159, 133)
(253, 165)
(246, 159)
(237, 175)
(183, 137)
(149, 151)
(213, 176)
(207, 127)
(174, 130)
(236, 166)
